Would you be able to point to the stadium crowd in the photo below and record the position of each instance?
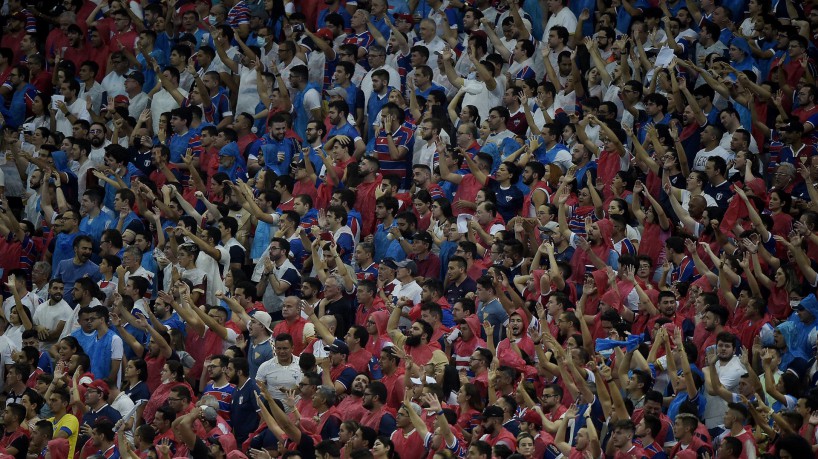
(409, 229)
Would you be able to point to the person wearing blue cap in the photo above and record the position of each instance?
(232, 163)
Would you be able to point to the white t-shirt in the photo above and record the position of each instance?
(312, 100)
(79, 109)
(114, 84)
(565, 17)
(49, 315)
(5, 359)
(700, 161)
(476, 93)
(248, 97)
(729, 375)
(163, 102)
(278, 376)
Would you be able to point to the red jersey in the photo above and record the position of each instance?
(504, 436)
(467, 192)
(634, 452)
(365, 204)
(408, 446)
(294, 329)
(395, 388)
(359, 360)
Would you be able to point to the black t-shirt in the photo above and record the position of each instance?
(344, 314)
(200, 449)
(306, 446)
(20, 443)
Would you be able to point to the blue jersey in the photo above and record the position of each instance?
(224, 395)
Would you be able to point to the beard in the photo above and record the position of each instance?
(96, 142)
(368, 404)
(357, 393)
(413, 341)
(489, 429)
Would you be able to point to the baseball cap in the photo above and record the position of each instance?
(492, 412)
(424, 237)
(324, 33)
(337, 92)
(120, 99)
(100, 385)
(532, 417)
(408, 264)
(136, 76)
(405, 17)
(338, 346)
(551, 226)
(389, 263)
(264, 319)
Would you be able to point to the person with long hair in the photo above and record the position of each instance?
(655, 224)
(40, 115)
(441, 213)
(384, 449)
(469, 407)
(134, 381)
(67, 348)
(172, 375)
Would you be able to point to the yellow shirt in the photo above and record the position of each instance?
(71, 426)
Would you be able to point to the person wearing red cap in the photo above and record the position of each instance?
(96, 408)
(531, 424)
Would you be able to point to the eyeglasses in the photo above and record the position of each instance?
(174, 399)
(95, 131)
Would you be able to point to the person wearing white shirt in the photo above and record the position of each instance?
(163, 101)
(560, 15)
(282, 371)
(477, 92)
(710, 138)
(51, 316)
(72, 109)
(728, 367)
(430, 134)
(137, 99)
(430, 40)
(89, 86)
(114, 82)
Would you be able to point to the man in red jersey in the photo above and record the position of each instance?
(684, 428)
(621, 444)
(493, 431)
(293, 323)
(406, 439)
